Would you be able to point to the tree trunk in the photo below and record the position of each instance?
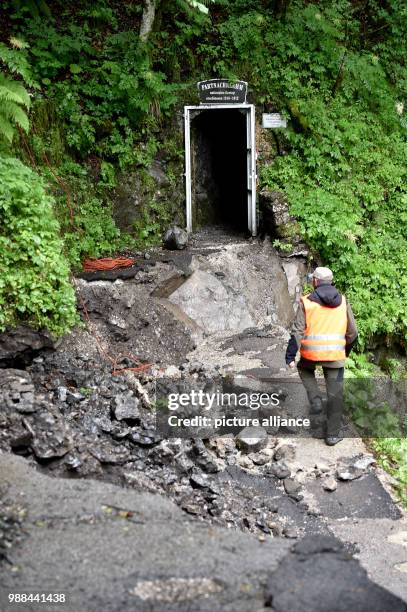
(147, 19)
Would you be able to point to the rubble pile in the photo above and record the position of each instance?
(76, 419)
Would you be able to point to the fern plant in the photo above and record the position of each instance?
(36, 8)
(14, 97)
(14, 100)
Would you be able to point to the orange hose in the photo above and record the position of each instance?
(107, 263)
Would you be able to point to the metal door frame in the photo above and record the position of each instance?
(249, 111)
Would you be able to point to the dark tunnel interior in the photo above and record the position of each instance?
(219, 168)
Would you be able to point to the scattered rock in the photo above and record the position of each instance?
(106, 454)
(20, 438)
(17, 391)
(348, 473)
(245, 462)
(271, 506)
(261, 524)
(290, 532)
(73, 397)
(175, 238)
(291, 486)
(280, 470)
(172, 371)
(73, 462)
(285, 452)
(205, 459)
(260, 458)
(126, 408)
(252, 439)
(143, 438)
(323, 468)
(330, 484)
(62, 393)
(364, 462)
(175, 590)
(199, 481)
(223, 446)
(276, 529)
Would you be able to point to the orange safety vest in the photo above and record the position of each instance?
(325, 329)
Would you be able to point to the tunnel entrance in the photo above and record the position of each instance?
(220, 167)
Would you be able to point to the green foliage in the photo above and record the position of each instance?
(85, 219)
(94, 233)
(373, 419)
(103, 85)
(34, 280)
(14, 98)
(344, 170)
(359, 365)
(392, 456)
(336, 70)
(15, 60)
(394, 368)
(34, 7)
(283, 246)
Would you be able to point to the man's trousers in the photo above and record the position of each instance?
(334, 388)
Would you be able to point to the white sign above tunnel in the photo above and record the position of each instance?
(223, 134)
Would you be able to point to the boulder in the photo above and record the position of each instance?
(212, 304)
(260, 458)
(252, 439)
(363, 462)
(175, 239)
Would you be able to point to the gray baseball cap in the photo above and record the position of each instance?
(323, 274)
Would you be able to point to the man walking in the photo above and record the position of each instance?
(325, 331)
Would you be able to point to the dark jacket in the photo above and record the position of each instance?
(326, 295)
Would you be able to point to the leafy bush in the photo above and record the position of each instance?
(34, 280)
(86, 221)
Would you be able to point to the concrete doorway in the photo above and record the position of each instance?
(220, 167)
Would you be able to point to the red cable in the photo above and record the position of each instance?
(107, 263)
